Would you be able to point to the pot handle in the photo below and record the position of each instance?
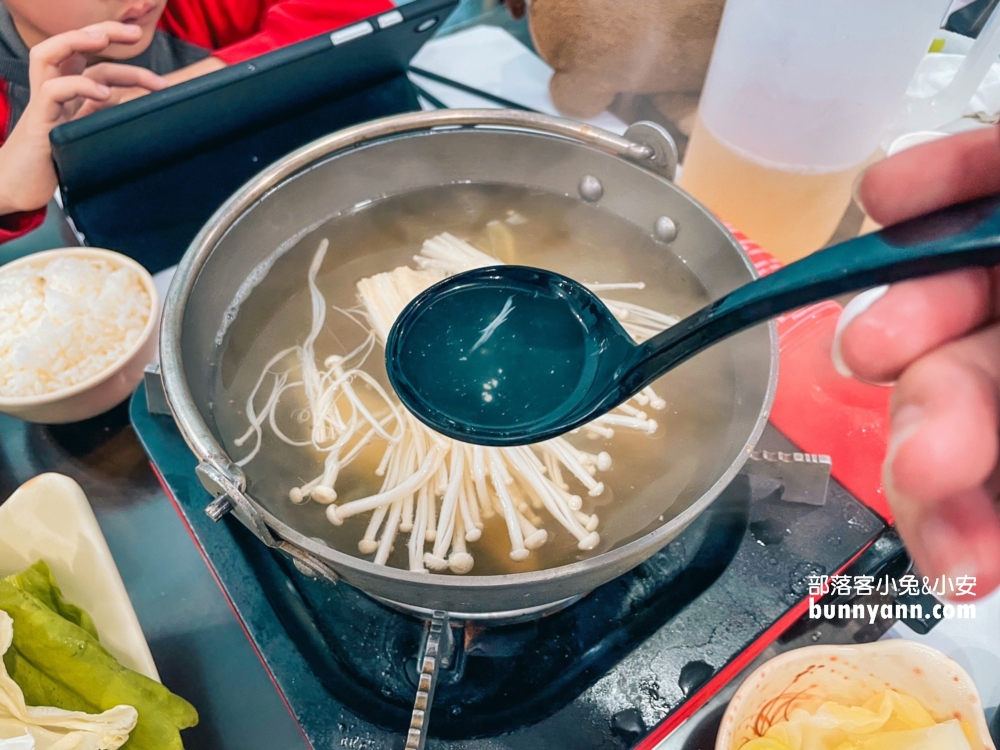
(227, 487)
(664, 158)
(646, 143)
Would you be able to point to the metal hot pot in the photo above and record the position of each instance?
(629, 176)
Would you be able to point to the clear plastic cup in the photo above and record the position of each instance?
(797, 98)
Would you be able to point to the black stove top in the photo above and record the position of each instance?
(601, 673)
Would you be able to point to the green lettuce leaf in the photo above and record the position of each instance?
(57, 661)
(41, 584)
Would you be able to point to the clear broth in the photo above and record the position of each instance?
(653, 479)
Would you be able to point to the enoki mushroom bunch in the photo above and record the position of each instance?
(438, 490)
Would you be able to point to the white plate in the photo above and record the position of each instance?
(49, 518)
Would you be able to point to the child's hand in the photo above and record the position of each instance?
(939, 339)
(63, 88)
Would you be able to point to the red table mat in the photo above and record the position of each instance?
(818, 409)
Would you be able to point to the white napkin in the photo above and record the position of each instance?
(937, 70)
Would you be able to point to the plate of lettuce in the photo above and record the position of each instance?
(76, 672)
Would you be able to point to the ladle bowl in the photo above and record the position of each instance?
(508, 356)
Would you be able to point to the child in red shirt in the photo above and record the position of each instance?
(63, 59)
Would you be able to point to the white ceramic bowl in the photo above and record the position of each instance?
(106, 389)
(851, 675)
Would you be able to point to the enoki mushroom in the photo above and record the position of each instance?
(439, 491)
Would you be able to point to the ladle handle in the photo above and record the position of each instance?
(958, 237)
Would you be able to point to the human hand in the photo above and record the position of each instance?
(939, 340)
(63, 88)
(195, 70)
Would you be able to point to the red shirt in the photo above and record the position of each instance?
(235, 30)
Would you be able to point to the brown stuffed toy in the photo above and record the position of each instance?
(605, 49)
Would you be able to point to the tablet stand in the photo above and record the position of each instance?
(153, 217)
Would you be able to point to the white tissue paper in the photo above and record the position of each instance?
(936, 72)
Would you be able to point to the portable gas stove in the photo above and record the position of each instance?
(647, 661)
(621, 667)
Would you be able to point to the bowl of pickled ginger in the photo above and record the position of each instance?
(889, 695)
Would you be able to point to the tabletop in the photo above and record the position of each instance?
(199, 646)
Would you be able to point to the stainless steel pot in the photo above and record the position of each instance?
(629, 176)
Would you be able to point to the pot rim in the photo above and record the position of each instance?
(207, 449)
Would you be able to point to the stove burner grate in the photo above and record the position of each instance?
(599, 673)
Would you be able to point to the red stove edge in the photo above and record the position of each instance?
(821, 412)
(725, 675)
(229, 601)
(817, 408)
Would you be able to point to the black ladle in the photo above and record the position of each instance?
(509, 355)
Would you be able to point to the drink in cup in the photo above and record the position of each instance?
(797, 98)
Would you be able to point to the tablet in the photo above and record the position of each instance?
(109, 147)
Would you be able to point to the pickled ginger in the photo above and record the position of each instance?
(887, 721)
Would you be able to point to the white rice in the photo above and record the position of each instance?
(66, 321)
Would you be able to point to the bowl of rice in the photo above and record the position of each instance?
(77, 329)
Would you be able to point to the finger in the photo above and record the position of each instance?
(933, 175)
(118, 96)
(945, 422)
(129, 94)
(943, 458)
(911, 319)
(128, 76)
(90, 106)
(960, 537)
(60, 91)
(47, 56)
